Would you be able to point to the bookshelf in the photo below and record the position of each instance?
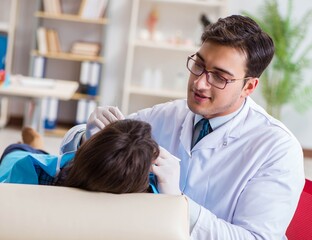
(7, 30)
(72, 24)
(157, 51)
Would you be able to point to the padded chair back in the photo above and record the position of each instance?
(300, 227)
(32, 212)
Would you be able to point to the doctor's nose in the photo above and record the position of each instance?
(202, 81)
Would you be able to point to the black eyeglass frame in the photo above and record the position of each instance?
(226, 81)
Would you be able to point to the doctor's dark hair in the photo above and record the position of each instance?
(244, 34)
(115, 160)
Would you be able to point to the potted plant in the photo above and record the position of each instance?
(284, 82)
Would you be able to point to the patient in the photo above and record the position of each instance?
(115, 160)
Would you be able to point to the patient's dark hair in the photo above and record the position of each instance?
(115, 160)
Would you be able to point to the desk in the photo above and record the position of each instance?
(34, 90)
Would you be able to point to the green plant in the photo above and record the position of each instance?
(284, 82)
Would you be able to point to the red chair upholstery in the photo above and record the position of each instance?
(300, 227)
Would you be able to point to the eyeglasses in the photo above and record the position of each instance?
(212, 77)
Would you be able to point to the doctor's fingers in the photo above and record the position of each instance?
(116, 112)
(98, 123)
(166, 173)
(108, 115)
(111, 113)
(163, 153)
(170, 162)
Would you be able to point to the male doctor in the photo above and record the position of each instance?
(241, 169)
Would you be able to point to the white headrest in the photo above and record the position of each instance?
(47, 212)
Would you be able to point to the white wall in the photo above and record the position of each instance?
(116, 49)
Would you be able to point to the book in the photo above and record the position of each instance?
(57, 6)
(101, 8)
(47, 6)
(57, 41)
(92, 8)
(52, 6)
(86, 48)
(42, 42)
(53, 41)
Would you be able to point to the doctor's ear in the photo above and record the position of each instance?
(250, 86)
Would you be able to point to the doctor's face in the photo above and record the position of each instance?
(225, 63)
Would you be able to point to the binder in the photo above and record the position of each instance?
(92, 8)
(94, 79)
(39, 67)
(90, 108)
(85, 73)
(51, 114)
(81, 111)
(3, 50)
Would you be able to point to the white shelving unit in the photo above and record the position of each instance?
(7, 26)
(64, 65)
(155, 68)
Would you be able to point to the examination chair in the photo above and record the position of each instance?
(32, 212)
(300, 227)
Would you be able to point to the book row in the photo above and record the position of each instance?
(48, 41)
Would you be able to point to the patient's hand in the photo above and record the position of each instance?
(167, 170)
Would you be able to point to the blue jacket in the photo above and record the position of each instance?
(37, 168)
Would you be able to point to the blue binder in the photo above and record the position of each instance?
(3, 49)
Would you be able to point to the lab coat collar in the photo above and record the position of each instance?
(222, 136)
(218, 121)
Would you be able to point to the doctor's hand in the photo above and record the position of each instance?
(167, 171)
(101, 117)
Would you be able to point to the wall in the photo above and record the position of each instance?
(298, 123)
(116, 55)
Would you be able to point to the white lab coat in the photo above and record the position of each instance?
(247, 175)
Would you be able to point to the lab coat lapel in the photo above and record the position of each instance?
(212, 140)
(225, 134)
(187, 132)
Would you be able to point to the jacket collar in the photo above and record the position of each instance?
(222, 136)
